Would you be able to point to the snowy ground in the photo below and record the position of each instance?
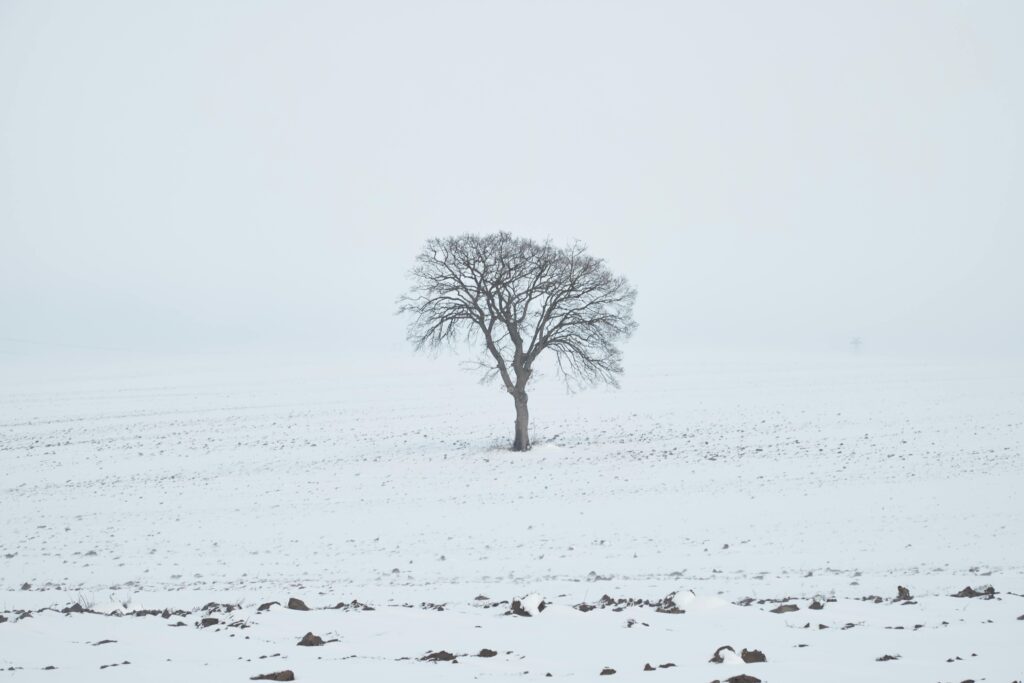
(127, 488)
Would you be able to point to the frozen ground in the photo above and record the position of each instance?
(127, 488)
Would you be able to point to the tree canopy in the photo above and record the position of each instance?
(517, 298)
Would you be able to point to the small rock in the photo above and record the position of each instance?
(902, 593)
(743, 678)
(528, 606)
(717, 657)
(887, 658)
(295, 603)
(607, 671)
(310, 640)
(968, 592)
(752, 656)
(285, 675)
(487, 653)
(267, 605)
(26, 586)
(782, 609)
(439, 656)
(209, 621)
(816, 605)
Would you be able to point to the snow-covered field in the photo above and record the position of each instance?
(699, 498)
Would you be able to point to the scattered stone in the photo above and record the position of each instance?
(752, 656)
(26, 586)
(487, 653)
(668, 604)
(355, 605)
(987, 592)
(439, 656)
(106, 666)
(74, 609)
(285, 675)
(607, 671)
(887, 658)
(742, 678)
(209, 621)
(295, 603)
(310, 640)
(432, 606)
(528, 606)
(211, 607)
(666, 665)
(782, 609)
(648, 667)
(816, 605)
(104, 642)
(717, 657)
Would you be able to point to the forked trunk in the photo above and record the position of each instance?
(521, 442)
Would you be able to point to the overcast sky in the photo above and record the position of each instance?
(204, 175)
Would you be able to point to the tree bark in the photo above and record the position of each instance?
(521, 442)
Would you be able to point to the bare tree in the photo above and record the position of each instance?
(516, 298)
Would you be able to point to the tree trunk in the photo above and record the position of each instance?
(522, 434)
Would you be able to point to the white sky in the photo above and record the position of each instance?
(205, 175)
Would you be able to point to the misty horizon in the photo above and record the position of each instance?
(258, 176)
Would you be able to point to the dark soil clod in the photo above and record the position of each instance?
(439, 656)
(285, 675)
(311, 640)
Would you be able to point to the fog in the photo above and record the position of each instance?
(193, 177)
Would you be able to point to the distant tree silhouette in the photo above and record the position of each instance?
(516, 298)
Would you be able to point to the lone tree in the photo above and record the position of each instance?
(517, 298)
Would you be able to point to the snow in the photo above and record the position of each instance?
(144, 486)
